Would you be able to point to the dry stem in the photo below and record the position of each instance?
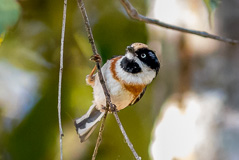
(60, 77)
(133, 13)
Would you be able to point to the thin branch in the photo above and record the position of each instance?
(60, 77)
(126, 137)
(107, 95)
(94, 49)
(133, 13)
(99, 139)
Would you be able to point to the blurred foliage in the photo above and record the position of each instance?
(1, 38)
(9, 14)
(211, 4)
(211, 7)
(33, 46)
(34, 137)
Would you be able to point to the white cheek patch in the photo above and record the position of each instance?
(144, 77)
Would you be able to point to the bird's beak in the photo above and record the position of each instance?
(131, 52)
(130, 49)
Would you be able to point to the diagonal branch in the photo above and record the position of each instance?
(107, 95)
(60, 77)
(133, 13)
(99, 139)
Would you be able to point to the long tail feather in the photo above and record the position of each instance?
(86, 124)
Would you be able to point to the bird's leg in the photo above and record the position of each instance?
(92, 72)
(90, 79)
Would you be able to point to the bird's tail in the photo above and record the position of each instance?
(86, 124)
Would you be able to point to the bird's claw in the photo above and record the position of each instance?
(113, 109)
(96, 58)
(110, 109)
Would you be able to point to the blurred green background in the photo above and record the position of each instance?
(29, 66)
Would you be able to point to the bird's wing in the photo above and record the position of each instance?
(139, 97)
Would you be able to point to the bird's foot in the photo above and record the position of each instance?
(96, 58)
(110, 109)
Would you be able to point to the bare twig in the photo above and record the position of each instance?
(60, 77)
(99, 139)
(133, 13)
(107, 95)
(126, 137)
(94, 49)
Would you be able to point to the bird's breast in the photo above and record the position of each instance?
(135, 90)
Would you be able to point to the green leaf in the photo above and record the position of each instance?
(9, 14)
(211, 6)
(1, 38)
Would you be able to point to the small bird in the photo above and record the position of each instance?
(126, 78)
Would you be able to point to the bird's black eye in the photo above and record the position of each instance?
(143, 55)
